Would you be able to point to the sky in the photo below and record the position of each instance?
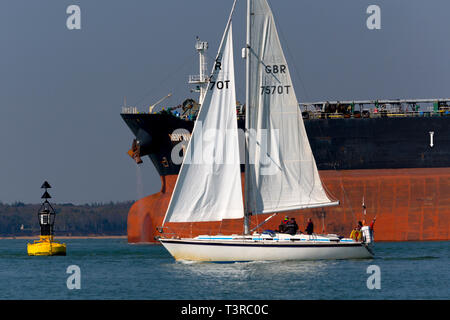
(61, 90)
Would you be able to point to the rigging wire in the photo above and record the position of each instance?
(291, 57)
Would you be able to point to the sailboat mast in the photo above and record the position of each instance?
(247, 106)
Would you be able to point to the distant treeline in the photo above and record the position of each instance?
(20, 219)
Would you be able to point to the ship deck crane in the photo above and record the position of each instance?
(150, 108)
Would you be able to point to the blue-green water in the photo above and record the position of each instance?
(114, 269)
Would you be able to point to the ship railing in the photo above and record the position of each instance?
(371, 114)
(357, 114)
(132, 110)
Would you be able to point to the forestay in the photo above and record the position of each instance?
(209, 186)
(281, 172)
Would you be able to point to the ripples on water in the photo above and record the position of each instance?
(114, 269)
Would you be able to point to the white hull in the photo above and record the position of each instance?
(248, 250)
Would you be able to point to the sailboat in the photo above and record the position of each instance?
(280, 171)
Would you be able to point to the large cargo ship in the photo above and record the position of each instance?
(391, 155)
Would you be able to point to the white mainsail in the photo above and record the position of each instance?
(281, 172)
(209, 186)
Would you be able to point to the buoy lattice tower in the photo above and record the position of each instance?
(46, 246)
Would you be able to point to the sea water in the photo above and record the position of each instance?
(114, 269)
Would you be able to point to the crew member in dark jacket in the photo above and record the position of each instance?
(291, 227)
(310, 227)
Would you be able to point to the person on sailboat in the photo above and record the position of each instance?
(283, 226)
(291, 227)
(356, 233)
(371, 224)
(367, 235)
(310, 227)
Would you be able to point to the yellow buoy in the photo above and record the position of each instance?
(46, 246)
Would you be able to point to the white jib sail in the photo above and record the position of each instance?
(281, 173)
(209, 186)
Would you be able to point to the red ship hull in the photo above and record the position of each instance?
(409, 204)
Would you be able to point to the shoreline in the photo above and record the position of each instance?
(64, 237)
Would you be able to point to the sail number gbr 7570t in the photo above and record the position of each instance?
(275, 89)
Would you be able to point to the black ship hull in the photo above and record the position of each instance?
(337, 144)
